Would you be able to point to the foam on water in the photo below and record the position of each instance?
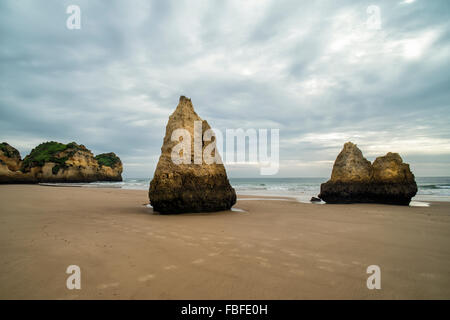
(419, 204)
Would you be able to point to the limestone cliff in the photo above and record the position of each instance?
(110, 167)
(10, 156)
(392, 180)
(10, 163)
(58, 162)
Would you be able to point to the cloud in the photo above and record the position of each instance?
(312, 69)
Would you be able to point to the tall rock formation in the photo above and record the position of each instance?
(189, 187)
(355, 179)
(58, 162)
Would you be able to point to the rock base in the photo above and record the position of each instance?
(191, 194)
(360, 192)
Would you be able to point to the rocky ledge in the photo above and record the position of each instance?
(10, 165)
(57, 162)
(178, 188)
(355, 179)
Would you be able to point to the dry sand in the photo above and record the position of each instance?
(273, 250)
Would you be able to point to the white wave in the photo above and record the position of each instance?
(419, 204)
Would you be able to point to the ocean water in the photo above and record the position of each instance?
(430, 188)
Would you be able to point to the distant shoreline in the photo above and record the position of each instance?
(431, 189)
(241, 195)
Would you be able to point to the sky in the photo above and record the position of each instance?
(376, 73)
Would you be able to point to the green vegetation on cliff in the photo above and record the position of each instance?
(50, 152)
(53, 161)
(108, 159)
(45, 152)
(59, 153)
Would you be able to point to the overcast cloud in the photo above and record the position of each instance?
(313, 69)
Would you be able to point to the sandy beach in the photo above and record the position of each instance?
(272, 249)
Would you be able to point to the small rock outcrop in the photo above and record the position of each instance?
(58, 162)
(110, 167)
(350, 177)
(10, 156)
(392, 180)
(355, 179)
(188, 187)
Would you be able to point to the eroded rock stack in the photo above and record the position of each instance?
(58, 162)
(188, 187)
(355, 179)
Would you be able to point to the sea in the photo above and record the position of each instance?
(302, 189)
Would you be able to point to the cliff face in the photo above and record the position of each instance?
(110, 167)
(192, 187)
(10, 163)
(58, 162)
(355, 179)
(392, 181)
(10, 157)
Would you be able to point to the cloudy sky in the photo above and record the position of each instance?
(320, 71)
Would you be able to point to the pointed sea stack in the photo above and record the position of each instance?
(354, 179)
(189, 187)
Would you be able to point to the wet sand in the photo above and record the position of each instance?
(272, 250)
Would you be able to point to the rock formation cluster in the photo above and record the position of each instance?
(188, 187)
(58, 162)
(355, 179)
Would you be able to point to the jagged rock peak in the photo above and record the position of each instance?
(184, 106)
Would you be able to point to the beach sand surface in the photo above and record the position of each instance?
(273, 249)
